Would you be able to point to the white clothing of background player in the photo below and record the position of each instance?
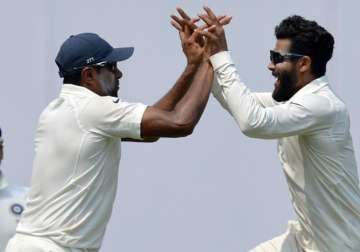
(12, 202)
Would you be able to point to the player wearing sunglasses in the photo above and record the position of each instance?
(313, 130)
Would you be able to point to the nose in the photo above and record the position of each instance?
(271, 66)
(118, 73)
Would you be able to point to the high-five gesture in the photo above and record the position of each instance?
(187, 26)
(215, 32)
(191, 39)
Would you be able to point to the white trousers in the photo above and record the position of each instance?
(27, 243)
(286, 242)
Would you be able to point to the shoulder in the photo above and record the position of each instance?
(103, 106)
(100, 111)
(317, 105)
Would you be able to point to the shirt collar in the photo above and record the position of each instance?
(3, 182)
(69, 88)
(312, 87)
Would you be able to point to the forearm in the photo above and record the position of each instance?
(171, 98)
(231, 92)
(189, 109)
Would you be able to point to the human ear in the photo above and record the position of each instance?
(305, 64)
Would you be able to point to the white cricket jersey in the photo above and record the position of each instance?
(315, 149)
(12, 201)
(75, 170)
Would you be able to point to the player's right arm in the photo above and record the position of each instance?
(182, 120)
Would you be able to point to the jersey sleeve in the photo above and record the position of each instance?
(113, 117)
(259, 116)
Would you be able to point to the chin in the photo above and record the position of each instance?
(114, 95)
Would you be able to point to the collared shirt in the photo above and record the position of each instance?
(75, 171)
(12, 201)
(315, 149)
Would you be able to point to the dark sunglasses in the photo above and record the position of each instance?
(276, 57)
(111, 66)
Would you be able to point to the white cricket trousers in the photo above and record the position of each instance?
(27, 243)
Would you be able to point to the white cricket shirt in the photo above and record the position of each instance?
(315, 149)
(12, 201)
(75, 170)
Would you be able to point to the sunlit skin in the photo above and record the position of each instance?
(291, 75)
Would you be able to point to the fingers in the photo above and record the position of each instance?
(186, 18)
(196, 36)
(195, 20)
(225, 20)
(183, 13)
(176, 25)
(211, 28)
(187, 31)
(207, 34)
(211, 14)
(177, 22)
(206, 19)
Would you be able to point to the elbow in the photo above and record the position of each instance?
(184, 127)
(248, 129)
(185, 130)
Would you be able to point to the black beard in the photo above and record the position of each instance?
(287, 87)
(114, 93)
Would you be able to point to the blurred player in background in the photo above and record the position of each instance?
(12, 201)
(78, 140)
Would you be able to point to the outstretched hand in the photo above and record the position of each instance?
(215, 32)
(192, 42)
(193, 38)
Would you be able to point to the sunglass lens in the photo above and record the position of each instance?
(276, 57)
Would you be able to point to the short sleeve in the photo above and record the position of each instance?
(112, 117)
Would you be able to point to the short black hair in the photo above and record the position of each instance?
(73, 78)
(307, 38)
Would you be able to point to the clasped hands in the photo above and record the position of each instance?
(200, 42)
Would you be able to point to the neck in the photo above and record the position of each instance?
(305, 79)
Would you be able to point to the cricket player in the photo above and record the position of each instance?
(12, 201)
(312, 127)
(79, 134)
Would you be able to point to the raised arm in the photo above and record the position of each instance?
(178, 112)
(182, 118)
(173, 96)
(257, 115)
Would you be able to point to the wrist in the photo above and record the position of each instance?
(192, 66)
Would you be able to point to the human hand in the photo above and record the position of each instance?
(215, 31)
(192, 42)
(184, 24)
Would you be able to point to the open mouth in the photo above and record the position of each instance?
(277, 81)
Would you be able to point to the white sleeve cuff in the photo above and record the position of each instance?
(219, 59)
